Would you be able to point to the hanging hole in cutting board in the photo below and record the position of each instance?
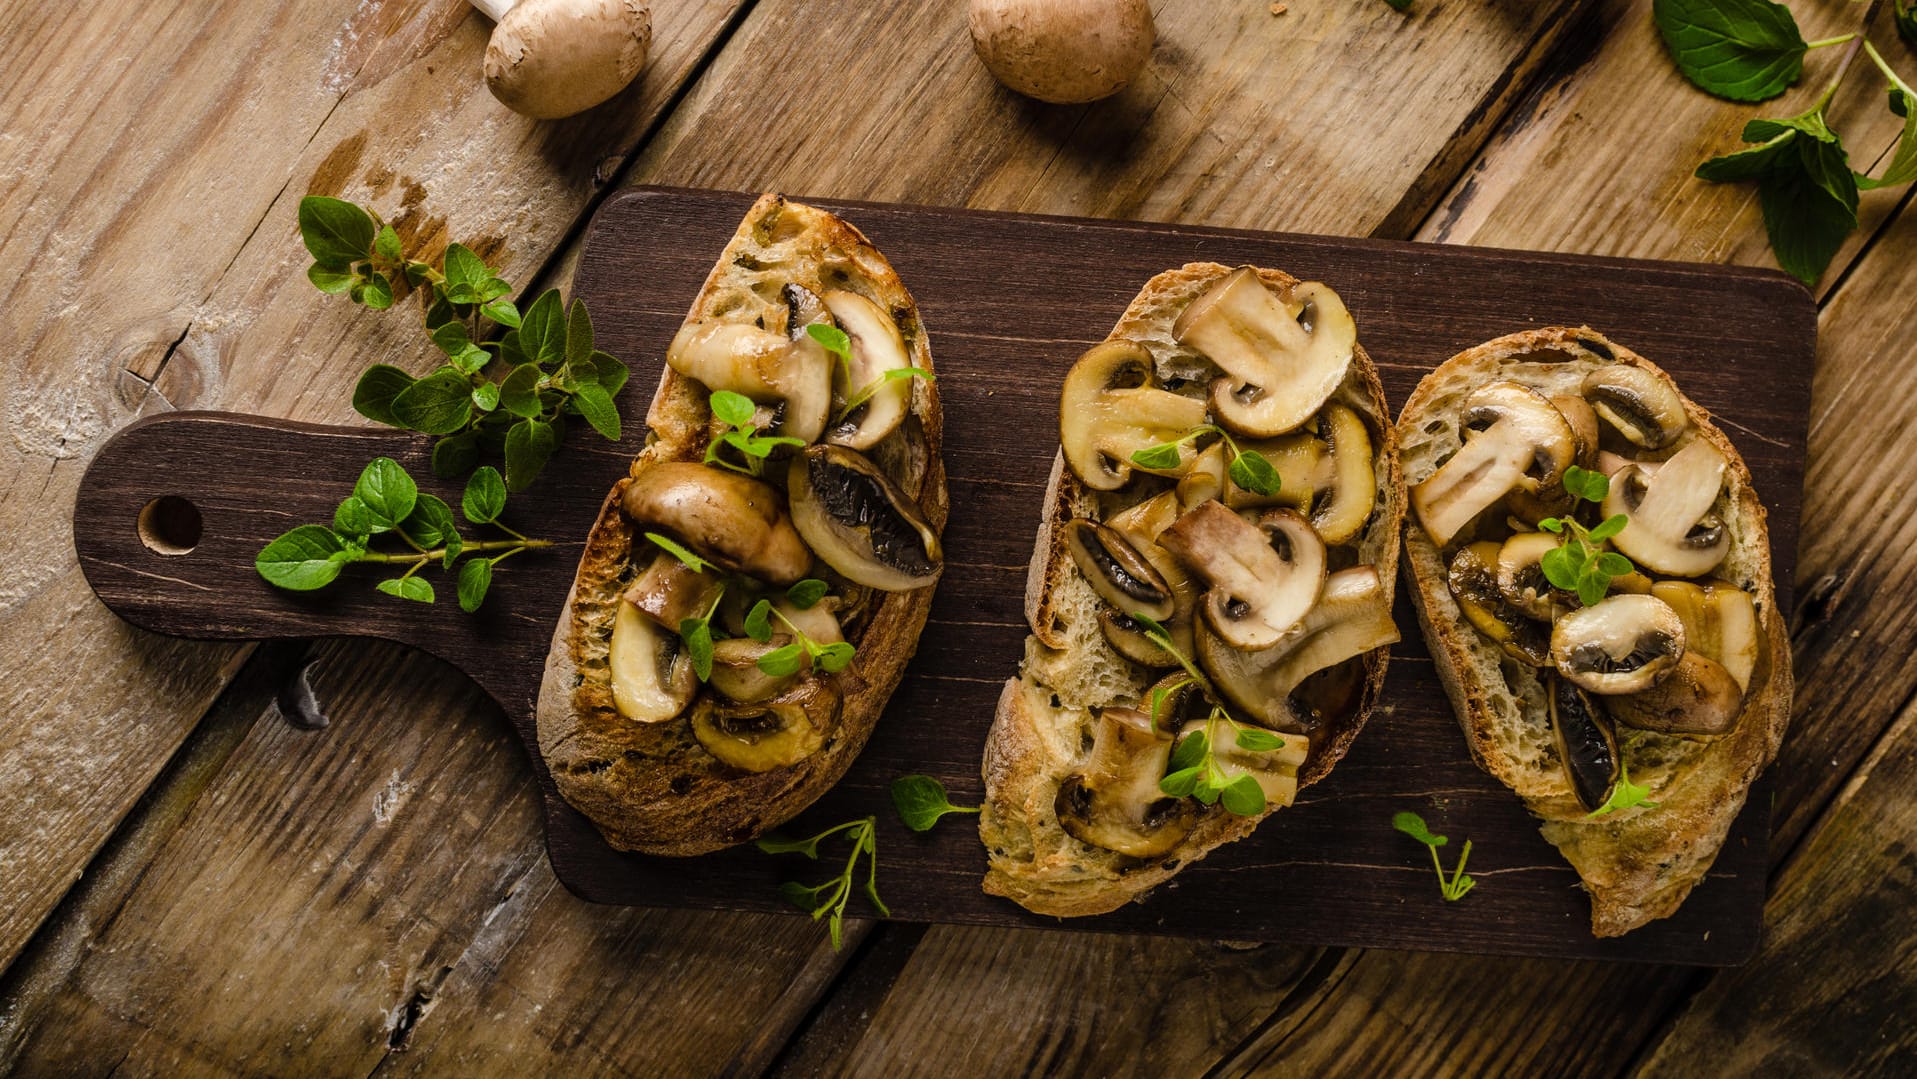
(170, 525)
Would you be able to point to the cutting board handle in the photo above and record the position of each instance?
(174, 508)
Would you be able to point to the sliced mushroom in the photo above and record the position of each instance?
(1276, 770)
(777, 733)
(1622, 644)
(1116, 571)
(803, 308)
(859, 522)
(1298, 458)
(768, 367)
(735, 660)
(1263, 576)
(1353, 616)
(1720, 622)
(736, 521)
(1585, 742)
(1521, 578)
(1141, 525)
(1639, 405)
(652, 679)
(877, 348)
(1514, 439)
(1115, 802)
(1353, 484)
(1699, 698)
(1671, 528)
(1111, 407)
(670, 591)
(1554, 501)
(1282, 355)
(1473, 578)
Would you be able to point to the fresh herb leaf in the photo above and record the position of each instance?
(378, 386)
(388, 493)
(336, 232)
(306, 558)
(1164, 455)
(578, 349)
(806, 594)
(431, 523)
(1586, 484)
(1903, 162)
(1254, 473)
(679, 551)
(455, 455)
(758, 621)
(1607, 528)
(595, 404)
(835, 657)
(1182, 783)
(542, 329)
(835, 341)
(466, 274)
(331, 282)
(697, 635)
(783, 660)
(1907, 22)
(352, 518)
(1744, 50)
(1804, 183)
(413, 588)
(529, 444)
(734, 409)
(485, 496)
(612, 374)
(386, 244)
(519, 393)
(502, 312)
(921, 800)
(475, 578)
(1624, 795)
(1453, 888)
(438, 404)
(1258, 740)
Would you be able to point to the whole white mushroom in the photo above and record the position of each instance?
(553, 58)
(1063, 51)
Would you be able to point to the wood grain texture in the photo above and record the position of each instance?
(1832, 991)
(1418, 305)
(150, 160)
(1348, 118)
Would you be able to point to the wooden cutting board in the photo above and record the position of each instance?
(1010, 301)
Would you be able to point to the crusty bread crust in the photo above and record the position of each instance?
(1039, 732)
(653, 787)
(1638, 864)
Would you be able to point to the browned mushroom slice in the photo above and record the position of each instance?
(859, 522)
(735, 521)
(1639, 405)
(1720, 622)
(671, 591)
(652, 679)
(877, 348)
(1141, 526)
(1114, 802)
(1585, 743)
(768, 367)
(1671, 528)
(1622, 644)
(1111, 407)
(1698, 698)
(1473, 578)
(1116, 571)
(1353, 487)
(735, 660)
(1263, 576)
(1521, 575)
(1283, 355)
(777, 733)
(1553, 500)
(1513, 440)
(1352, 617)
(1299, 459)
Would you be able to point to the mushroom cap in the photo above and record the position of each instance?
(1066, 52)
(1514, 439)
(1642, 406)
(1283, 355)
(877, 347)
(1117, 571)
(1699, 698)
(1264, 577)
(1473, 579)
(1353, 616)
(762, 736)
(554, 58)
(733, 520)
(1110, 407)
(1586, 743)
(1671, 528)
(859, 522)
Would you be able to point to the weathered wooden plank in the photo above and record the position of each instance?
(1340, 118)
(128, 289)
(1832, 991)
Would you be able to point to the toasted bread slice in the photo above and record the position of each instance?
(1041, 733)
(1638, 863)
(653, 787)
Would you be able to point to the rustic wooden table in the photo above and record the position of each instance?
(197, 879)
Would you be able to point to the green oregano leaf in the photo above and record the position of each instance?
(475, 579)
(696, 633)
(439, 404)
(735, 409)
(388, 493)
(352, 518)
(455, 455)
(758, 622)
(331, 282)
(306, 558)
(1243, 796)
(834, 657)
(417, 589)
(692, 562)
(378, 386)
(782, 661)
(595, 404)
(1258, 740)
(336, 232)
(529, 443)
(542, 329)
(1162, 456)
(834, 339)
(921, 801)
(807, 593)
(485, 496)
(1254, 473)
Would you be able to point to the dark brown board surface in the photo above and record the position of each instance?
(1009, 302)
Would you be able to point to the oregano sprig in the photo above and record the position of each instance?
(1194, 770)
(386, 501)
(831, 897)
(835, 341)
(1250, 471)
(1581, 564)
(787, 659)
(547, 367)
(1624, 795)
(1454, 887)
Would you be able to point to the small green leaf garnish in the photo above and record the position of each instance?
(1454, 888)
(1624, 795)
(696, 632)
(806, 594)
(679, 551)
(758, 621)
(788, 659)
(1579, 564)
(736, 411)
(834, 339)
(830, 898)
(1744, 50)
(921, 801)
(1249, 470)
